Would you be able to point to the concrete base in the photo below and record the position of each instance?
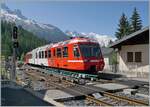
(130, 91)
(142, 95)
(57, 94)
(111, 86)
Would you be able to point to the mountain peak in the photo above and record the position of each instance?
(102, 39)
(47, 31)
(15, 12)
(18, 12)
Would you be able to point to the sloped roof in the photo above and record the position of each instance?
(129, 37)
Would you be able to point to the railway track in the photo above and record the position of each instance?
(109, 99)
(55, 81)
(66, 84)
(144, 89)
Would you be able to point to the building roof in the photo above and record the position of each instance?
(138, 37)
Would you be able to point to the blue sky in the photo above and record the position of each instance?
(99, 16)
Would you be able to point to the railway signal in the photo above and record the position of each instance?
(15, 32)
(15, 45)
(15, 37)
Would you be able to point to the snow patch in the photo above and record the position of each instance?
(102, 39)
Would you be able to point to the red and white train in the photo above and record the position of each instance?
(77, 54)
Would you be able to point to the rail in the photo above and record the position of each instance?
(130, 101)
(98, 101)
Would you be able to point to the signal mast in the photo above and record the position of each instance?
(15, 46)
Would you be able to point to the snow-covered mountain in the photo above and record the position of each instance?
(103, 40)
(47, 31)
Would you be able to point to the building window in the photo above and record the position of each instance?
(49, 53)
(129, 56)
(45, 54)
(65, 51)
(42, 54)
(138, 56)
(58, 52)
(76, 51)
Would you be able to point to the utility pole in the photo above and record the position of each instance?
(15, 46)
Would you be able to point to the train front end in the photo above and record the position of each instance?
(92, 57)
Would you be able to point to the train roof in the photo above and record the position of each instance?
(62, 43)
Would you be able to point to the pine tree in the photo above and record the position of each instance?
(27, 40)
(136, 22)
(124, 27)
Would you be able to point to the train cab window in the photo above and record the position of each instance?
(90, 50)
(96, 52)
(58, 52)
(49, 53)
(65, 51)
(76, 51)
(45, 54)
(42, 54)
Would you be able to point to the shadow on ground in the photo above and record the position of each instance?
(109, 76)
(20, 97)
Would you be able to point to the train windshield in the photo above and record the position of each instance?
(90, 50)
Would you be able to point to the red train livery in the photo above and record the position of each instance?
(77, 54)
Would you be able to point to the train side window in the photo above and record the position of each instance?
(65, 51)
(58, 52)
(49, 53)
(36, 55)
(42, 54)
(45, 54)
(76, 51)
(54, 52)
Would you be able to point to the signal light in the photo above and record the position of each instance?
(15, 44)
(15, 32)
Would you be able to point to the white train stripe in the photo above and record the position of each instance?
(75, 61)
(82, 61)
(94, 60)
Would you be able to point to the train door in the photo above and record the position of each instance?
(53, 57)
(34, 57)
(58, 55)
(65, 57)
(76, 52)
(75, 62)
